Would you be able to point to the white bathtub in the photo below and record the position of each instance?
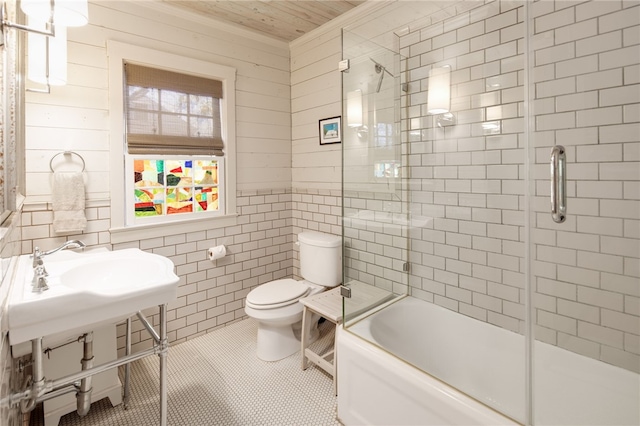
(377, 388)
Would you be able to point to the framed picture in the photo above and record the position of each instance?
(330, 130)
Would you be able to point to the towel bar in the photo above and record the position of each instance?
(67, 153)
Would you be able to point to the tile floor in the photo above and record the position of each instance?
(217, 379)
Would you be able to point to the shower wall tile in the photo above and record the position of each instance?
(599, 273)
(471, 175)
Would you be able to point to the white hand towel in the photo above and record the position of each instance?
(68, 202)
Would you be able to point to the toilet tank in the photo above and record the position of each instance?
(320, 258)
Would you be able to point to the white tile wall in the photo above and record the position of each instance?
(210, 294)
(597, 256)
(585, 97)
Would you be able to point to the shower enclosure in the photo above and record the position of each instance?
(491, 157)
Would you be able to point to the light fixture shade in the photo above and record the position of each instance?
(354, 108)
(37, 57)
(439, 95)
(68, 13)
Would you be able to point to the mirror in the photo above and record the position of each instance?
(12, 113)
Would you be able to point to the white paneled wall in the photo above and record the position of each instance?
(76, 117)
(316, 93)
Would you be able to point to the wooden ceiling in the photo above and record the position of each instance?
(281, 19)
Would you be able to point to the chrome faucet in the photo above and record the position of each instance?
(39, 282)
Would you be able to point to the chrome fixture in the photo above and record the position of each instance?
(558, 184)
(37, 388)
(71, 244)
(48, 55)
(380, 69)
(49, 30)
(39, 282)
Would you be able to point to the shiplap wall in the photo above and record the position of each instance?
(76, 117)
(315, 94)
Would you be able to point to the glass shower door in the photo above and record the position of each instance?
(374, 199)
(585, 259)
(462, 153)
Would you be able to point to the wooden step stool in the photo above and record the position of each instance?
(328, 305)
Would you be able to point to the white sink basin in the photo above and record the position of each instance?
(86, 289)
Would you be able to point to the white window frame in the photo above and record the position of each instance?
(121, 231)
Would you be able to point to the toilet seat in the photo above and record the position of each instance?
(276, 294)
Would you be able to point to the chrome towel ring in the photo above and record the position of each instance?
(67, 153)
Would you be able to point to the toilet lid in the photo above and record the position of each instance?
(277, 292)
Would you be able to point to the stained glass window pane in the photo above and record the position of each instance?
(206, 199)
(205, 172)
(172, 186)
(179, 172)
(179, 200)
(149, 202)
(148, 173)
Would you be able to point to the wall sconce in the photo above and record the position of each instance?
(47, 47)
(355, 113)
(49, 26)
(354, 108)
(47, 58)
(439, 96)
(67, 13)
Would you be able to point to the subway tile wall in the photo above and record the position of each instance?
(470, 257)
(211, 294)
(470, 177)
(587, 270)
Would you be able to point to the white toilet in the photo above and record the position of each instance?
(276, 304)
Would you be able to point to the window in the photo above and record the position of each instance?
(177, 150)
(176, 115)
(175, 186)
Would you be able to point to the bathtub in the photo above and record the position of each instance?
(377, 388)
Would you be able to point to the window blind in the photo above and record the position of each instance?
(169, 113)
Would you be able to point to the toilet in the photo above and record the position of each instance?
(275, 305)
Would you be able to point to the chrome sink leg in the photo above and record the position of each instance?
(84, 393)
(164, 349)
(127, 367)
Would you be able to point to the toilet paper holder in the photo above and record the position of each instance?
(217, 252)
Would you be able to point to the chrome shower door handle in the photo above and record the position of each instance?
(558, 184)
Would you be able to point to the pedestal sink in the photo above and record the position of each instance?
(87, 288)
